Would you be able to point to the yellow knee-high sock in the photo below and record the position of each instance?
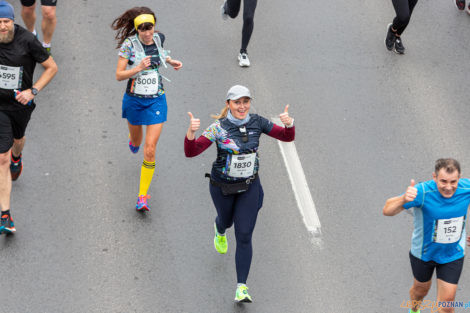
(146, 174)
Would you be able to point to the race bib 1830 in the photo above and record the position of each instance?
(242, 165)
(10, 77)
(448, 230)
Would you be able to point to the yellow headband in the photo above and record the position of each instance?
(144, 18)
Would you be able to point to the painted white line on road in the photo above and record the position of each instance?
(299, 185)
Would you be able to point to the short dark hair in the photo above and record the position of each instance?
(450, 165)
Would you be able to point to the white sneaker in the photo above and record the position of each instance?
(222, 11)
(243, 60)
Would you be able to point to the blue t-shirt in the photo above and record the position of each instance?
(439, 223)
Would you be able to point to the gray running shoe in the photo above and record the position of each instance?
(399, 48)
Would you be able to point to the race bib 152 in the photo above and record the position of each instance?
(448, 230)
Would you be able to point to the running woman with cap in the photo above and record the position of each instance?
(231, 8)
(403, 9)
(49, 19)
(440, 210)
(235, 187)
(141, 55)
(19, 53)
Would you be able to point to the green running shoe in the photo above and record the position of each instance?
(241, 295)
(220, 242)
(411, 311)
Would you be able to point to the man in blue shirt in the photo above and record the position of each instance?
(440, 211)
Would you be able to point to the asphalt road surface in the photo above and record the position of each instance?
(367, 121)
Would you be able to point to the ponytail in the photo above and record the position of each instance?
(223, 113)
(124, 24)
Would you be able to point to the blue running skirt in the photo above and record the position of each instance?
(144, 111)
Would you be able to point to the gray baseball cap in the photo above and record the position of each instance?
(237, 92)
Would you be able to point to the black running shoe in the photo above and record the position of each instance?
(460, 4)
(6, 225)
(390, 39)
(16, 167)
(399, 48)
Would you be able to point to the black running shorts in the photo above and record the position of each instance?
(448, 272)
(49, 3)
(12, 126)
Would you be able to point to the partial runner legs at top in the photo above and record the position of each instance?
(49, 19)
(232, 8)
(403, 9)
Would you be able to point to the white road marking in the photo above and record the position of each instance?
(299, 184)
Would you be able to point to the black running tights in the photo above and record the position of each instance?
(403, 8)
(249, 6)
(241, 210)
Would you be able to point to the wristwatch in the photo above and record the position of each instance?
(34, 91)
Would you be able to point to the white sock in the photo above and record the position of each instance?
(34, 32)
(239, 285)
(46, 45)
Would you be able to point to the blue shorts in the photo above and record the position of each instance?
(144, 111)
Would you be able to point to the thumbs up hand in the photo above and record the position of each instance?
(194, 124)
(411, 192)
(285, 118)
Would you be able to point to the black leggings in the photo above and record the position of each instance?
(249, 6)
(241, 210)
(403, 8)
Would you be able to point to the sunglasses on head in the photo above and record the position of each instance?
(145, 26)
